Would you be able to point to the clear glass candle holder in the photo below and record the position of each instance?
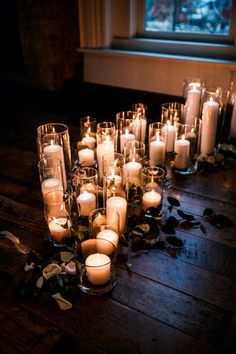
(187, 148)
(192, 94)
(50, 175)
(124, 120)
(126, 133)
(210, 117)
(53, 141)
(57, 209)
(88, 131)
(103, 219)
(140, 121)
(152, 186)
(86, 180)
(172, 112)
(106, 143)
(134, 153)
(157, 143)
(97, 274)
(112, 162)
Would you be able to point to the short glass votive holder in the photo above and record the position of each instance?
(53, 141)
(192, 94)
(152, 186)
(106, 143)
(134, 153)
(57, 209)
(103, 219)
(157, 143)
(86, 180)
(97, 273)
(172, 112)
(187, 148)
(50, 175)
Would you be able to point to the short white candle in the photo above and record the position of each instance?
(124, 138)
(107, 247)
(56, 151)
(86, 157)
(151, 199)
(89, 141)
(133, 168)
(182, 148)
(209, 125)
(192, 105)
(57, 230)
(51, 184)
(106, 147)
(86, 202)
(120, 205)
(157, 152)
(170, 136)
(98, 267)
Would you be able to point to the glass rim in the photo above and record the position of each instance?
(41, 132)
(152, 168)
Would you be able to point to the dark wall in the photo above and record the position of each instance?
(39, 39)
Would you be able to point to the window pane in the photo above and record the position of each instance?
(189, 16)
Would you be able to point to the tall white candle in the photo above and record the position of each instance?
(120, 205)
(209, 125)
(133, 168)
(98, 268)
(182, 149)
(124, 138)
(51, 184)
(107, 247)
(86, 157)
(157, 152)
(86, 202)
(192, 105)
(151, 199)
(170, 136)
(139, 127)
(90, 141)
(56, 151)
(57, 230)
(106, 147)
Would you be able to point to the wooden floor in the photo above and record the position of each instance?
(163, 304)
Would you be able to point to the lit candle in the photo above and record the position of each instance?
(133, 168)
(157, 151)
(192, 105)
(86, 202)
(170, 138)
(89, 187)
(56, 151)
(86, 157)
(57, 230)
(120, 205)
(151, 199)
(182, 148)
(106, 147)
(209, 125)
(98, 267)
(88, 140)
(51, 184)
(107, 247)
(99, 220)
(139, 126)
(124, 138)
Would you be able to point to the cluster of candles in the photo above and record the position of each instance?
(110, 156)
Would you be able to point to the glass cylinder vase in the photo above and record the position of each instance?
(157, 143)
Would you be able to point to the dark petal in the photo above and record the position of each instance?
(159, 245)
(173, 201)
(203, 229)
(185, 216)
(221, 221)
(170, 208)
(209, 212)
(172, 221)
(174, 241)
(168, 230)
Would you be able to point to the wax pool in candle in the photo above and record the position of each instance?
(192, 105)
(107, 247)
(124, 138)
(57, 229)
(106, 147)
(120, 205)
(209, 125)
(90, 141)
(98, 267)
(151, 199)
(133, 168)
(86, 202)
(56, 151)
(86, 157)
(157, 152)
(51, 184)
(182, 148)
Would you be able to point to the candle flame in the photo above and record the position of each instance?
(158, 136)
(183, 137)
(126, 131)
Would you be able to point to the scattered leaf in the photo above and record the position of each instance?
(209, 212)
(174, 241)
(173, 201)
(203, 229)
(184, 215)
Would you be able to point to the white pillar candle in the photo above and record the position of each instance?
(107, 247)
(232, 133)
(86, 202)
(98, 268)
(182, 148)
(57, 230)
(192, 105)
(151, 199)
(86, 157)
(56, 151)
(133, 168)
(106, 147)
(143, 129)
(90, 141)
(157, 152)
(209, 125)
(120, 205)
(51, 184)
(124, 138)
(170, 136)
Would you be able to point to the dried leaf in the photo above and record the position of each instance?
(172, 221)
(169, 230)
(174, 241)
(184, 215)
(209, 212)
(173, 201)
(203, 229)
